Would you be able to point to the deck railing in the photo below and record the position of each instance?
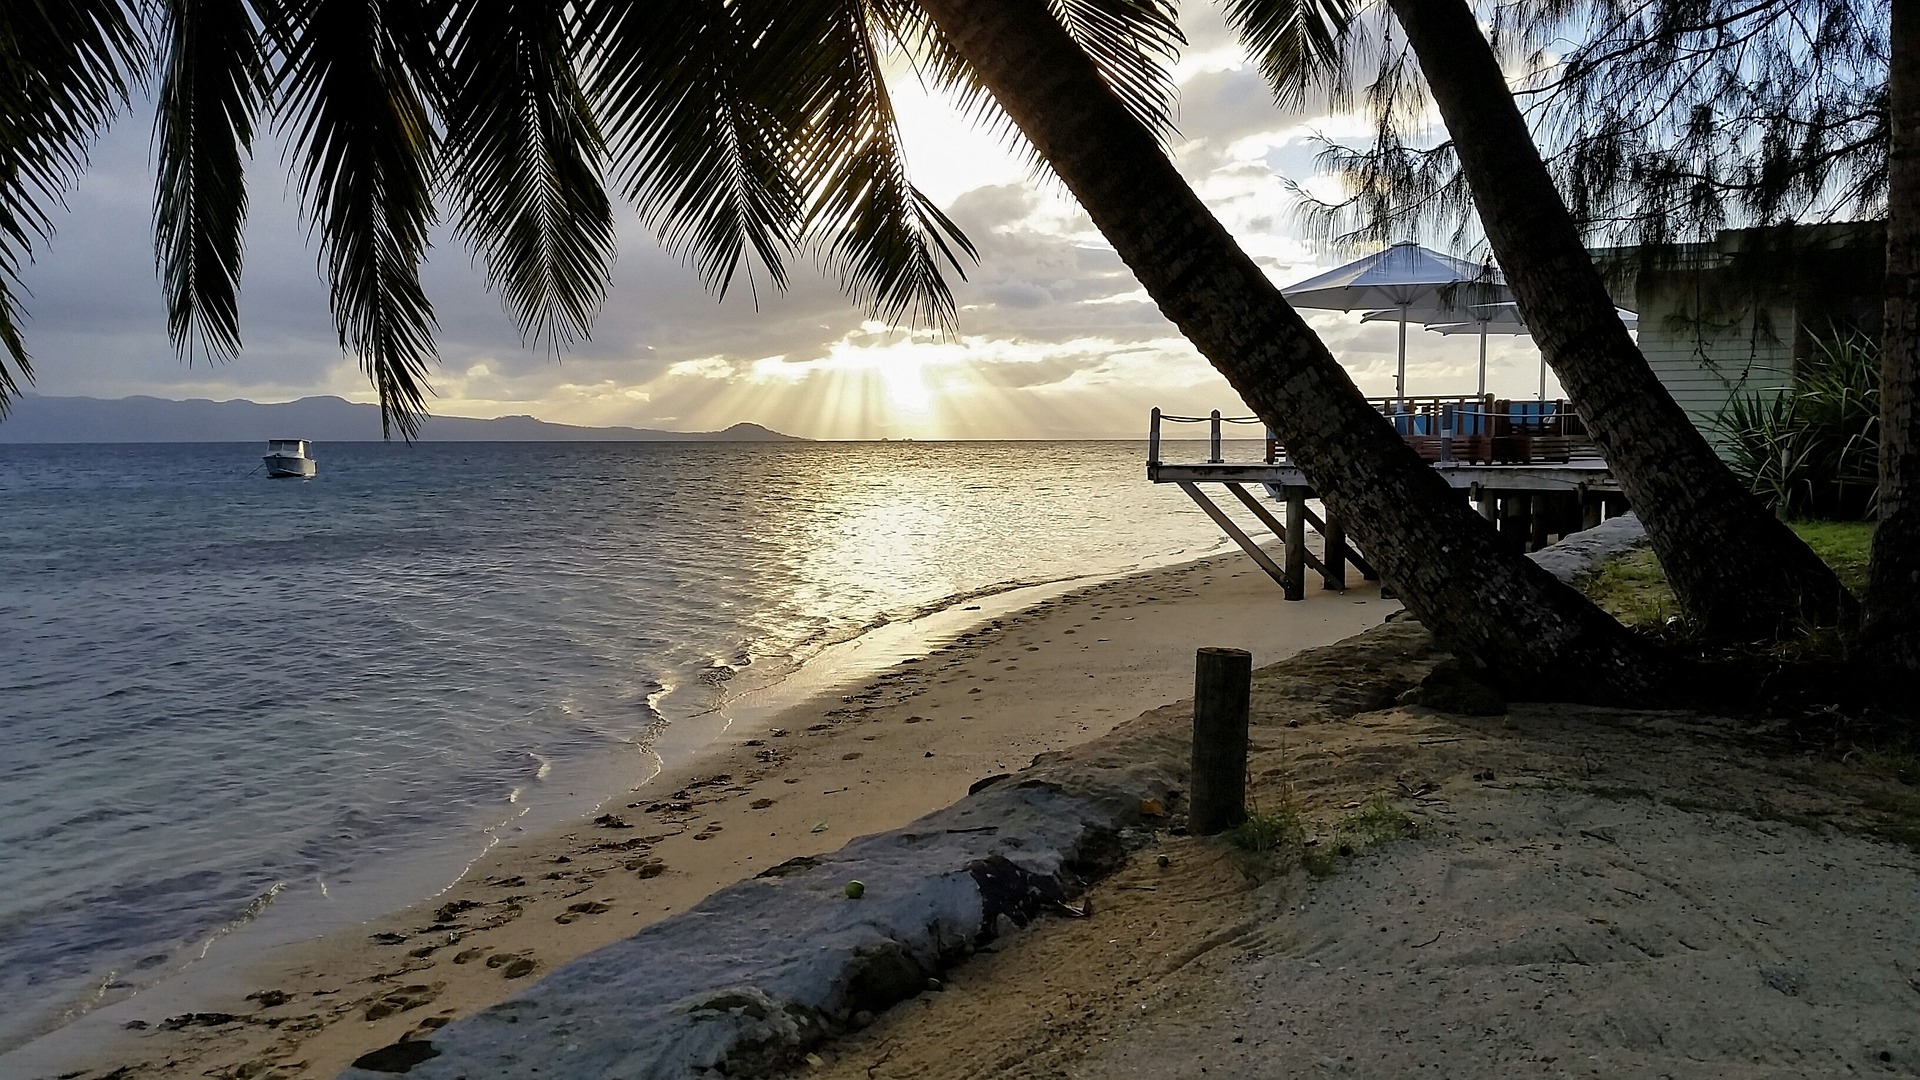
(1441, 428)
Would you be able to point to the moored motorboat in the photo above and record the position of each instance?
(288, 457)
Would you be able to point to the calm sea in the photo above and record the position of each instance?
(222, 697)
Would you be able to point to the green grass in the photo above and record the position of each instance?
(1844, 545)
(1634, 589)
(1283, 839)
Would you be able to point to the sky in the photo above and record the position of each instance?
(1055, 338)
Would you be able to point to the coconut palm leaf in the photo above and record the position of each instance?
(699, 126)
(65, 68)
(1132, 42)
(213, 84)
(351, 90)
(890, 244)
(523, 155)
(1298, 43)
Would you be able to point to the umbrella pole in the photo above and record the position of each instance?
(1483, 360)
(1400, 372)
(1543, 377)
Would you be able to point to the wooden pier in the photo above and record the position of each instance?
(1527, 466)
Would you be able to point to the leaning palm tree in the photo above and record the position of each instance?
(748, 132)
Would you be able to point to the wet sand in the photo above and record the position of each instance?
(847, 761)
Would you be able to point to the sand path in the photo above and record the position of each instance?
(1584, 893)
(855, 760)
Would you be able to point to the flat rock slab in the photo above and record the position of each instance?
(761, 971)
(1583, 553)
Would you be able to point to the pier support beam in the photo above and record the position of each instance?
(1246, 543)
(1296, 547)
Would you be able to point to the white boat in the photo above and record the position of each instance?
(288, 457)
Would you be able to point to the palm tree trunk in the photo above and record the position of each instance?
(1535, 635)
(1892, 631)
(1737, 570)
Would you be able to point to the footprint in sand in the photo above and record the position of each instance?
(403, 999)
(512, 966)
(760, 804)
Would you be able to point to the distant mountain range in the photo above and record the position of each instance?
(38, 419)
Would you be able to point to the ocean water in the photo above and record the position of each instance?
(221, 695)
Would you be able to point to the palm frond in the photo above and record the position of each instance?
(523, 156)
(351, 90)
(213, 84)
(65, 69)
(1298, 43)
(1133, 43)
(889, 242)
(695, 112)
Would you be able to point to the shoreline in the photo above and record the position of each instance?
(926, 708)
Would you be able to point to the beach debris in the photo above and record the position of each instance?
(1162, 861)
(1152, 808)
(396, 1057)
(270, 999)
(135, 1025)
(855, 889)
(929, 753)
(198, 1019)
(936, 985)
(818, 727)
(1483, 775)
(815, 1061)
(1075, 911)
(819, 827)
(778, 733)
(448, 911)
(609, 821)
(388, 938)
(756, 742)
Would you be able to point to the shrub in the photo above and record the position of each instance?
(1812, 450)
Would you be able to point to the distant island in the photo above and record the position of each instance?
(35, 418)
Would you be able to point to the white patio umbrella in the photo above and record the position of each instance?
(1413, 281)
(1504, 318)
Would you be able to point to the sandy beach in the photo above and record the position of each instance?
(849, 760)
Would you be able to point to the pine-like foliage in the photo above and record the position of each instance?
(1662, 120)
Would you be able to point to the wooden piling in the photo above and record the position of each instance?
(1295, 563)
(1222, 685)
(1333, 574)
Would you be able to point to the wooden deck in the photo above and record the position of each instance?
(1527, 466)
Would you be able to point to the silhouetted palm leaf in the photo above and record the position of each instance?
(523, 156)
(213, 84)
(1298, 43)
(64, 72)
(351, 89)
(699, 138)
(885, 238)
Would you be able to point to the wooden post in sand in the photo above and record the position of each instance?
(1222, 683)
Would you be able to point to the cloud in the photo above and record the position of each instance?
(1055, 336)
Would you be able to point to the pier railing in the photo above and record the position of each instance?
(1441, 428)
(1527, 465)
